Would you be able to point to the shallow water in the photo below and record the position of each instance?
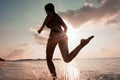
(89, 69)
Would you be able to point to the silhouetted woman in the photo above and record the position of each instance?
(58, 36)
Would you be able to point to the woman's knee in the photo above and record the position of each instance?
(66, 59)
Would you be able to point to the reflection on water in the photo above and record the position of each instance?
(70, 71)
(89, 69)
(95, 69)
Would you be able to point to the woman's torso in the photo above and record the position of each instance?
(55, 25)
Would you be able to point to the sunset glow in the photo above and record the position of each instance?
(71, 33)
(19, 24)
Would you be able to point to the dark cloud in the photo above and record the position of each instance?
(88, 12)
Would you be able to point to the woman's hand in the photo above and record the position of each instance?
(39, 31)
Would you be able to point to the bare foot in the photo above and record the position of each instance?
(86, 41)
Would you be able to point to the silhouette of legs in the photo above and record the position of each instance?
(49, 55)
(63, 45)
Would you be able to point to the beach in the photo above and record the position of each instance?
(82, 69)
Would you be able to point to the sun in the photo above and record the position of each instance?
(72, 34)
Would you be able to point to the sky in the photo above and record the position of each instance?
(20, 20)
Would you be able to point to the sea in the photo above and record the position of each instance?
(80, 69)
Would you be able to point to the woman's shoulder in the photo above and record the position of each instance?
(58, 17)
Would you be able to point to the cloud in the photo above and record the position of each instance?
(19, 51)
(102, 1)
(40, 38)
(113, 22)
(109, 10)
(111, 52)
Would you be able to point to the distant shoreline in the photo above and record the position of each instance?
(32, 59)
(1, 59)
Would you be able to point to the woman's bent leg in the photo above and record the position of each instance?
(49, 55)
(63, 45)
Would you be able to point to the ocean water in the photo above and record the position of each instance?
(82, 69)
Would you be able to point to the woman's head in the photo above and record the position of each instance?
(49, 8)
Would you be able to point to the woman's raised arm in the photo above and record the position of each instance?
(47, 19)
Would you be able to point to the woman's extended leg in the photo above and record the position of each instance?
(63, 45)
(49, 55)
